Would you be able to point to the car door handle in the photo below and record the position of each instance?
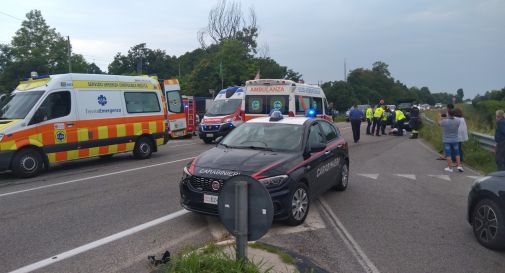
(327, 152)
(340, 146)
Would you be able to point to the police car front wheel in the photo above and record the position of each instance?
(299, 205)
(143, 148)
(27, 163)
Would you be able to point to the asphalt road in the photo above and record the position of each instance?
(401, 213)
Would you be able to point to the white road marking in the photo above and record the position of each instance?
(474, 177)
(95, 244)
(93, 177)
(443, 177)
(370, 175)
(349, 241)
(409, 176)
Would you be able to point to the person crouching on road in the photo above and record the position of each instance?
(356, 116)
(369, 117)
(399, 119)
(377, 117)
(450, 139)
(499, 137)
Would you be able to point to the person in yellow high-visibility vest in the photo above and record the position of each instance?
(399, 119)
(377, 117)
(385, 116)
(369, 117)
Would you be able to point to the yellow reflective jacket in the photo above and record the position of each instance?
(369, 113)
(386, 116)
(399, 115)
(378, 112)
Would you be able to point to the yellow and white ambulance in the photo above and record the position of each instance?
(72, 116)
(176, 109)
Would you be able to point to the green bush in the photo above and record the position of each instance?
(487, 110)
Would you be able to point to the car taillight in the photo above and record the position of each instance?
(291, 114)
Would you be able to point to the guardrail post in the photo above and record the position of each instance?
(241, 216)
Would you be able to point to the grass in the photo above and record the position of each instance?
(214, 259)
(473, 155)
(339, 118)
(473, 118)
(283, 256)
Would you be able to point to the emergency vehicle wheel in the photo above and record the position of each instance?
(27, 163)
(143, 148)
(299, 205)
(342, 178)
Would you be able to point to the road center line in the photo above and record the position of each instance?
(93, 177)
(349, 241)
(95, 244)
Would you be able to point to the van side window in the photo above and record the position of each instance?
(317, 104)
(329, 131)
(142, 102)
(302, 103)
(56, 105)
(174, 100)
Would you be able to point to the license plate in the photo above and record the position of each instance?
(179, 133)
(210, 199)
(209, 135)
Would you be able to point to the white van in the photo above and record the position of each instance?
(65, 117)
(293, 99)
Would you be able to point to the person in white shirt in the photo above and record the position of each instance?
(462, 131)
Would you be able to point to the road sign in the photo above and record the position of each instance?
(245, 209)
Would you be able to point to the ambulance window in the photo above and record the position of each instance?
(326, 109)
(255, 105)
(329, 131)
(317, 104)
(56, 105)
(174, 102)
(279, 103)
(302, 103)
(142, 102)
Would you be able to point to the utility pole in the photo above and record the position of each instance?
(345, 70)
(69, 55)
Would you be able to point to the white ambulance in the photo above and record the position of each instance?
(72, 116)
(262, 96)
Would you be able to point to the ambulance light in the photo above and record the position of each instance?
(276, 116)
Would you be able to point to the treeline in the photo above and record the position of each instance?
(368, 86)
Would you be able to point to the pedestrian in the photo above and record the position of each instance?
(462, 132)
(450, 140)
(499, 137)
(356, 116)
(399, 119)
(369, 117)
(415, 122)
(385, 117)
(377, 116)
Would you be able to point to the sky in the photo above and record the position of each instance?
(441, 44)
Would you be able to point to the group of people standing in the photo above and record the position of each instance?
(377, 119)
(454, 133)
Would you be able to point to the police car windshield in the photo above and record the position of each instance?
(223, 107)
(268, 136)
(17, 105)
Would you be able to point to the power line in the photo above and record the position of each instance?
(11, 16)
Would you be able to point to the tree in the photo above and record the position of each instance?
(460, 95)
(292, 75)
(226, 21)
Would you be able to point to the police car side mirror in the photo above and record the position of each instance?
(317, 147)
(218, 140)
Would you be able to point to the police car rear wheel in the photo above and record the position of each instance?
(143, 148)
(27, 163)
(299, 205)
(343, 178)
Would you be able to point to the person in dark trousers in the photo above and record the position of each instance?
(356, 116)
(377, 117)
(499, 137)
(369, 117)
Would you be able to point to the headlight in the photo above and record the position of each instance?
(1, 136)
(274, 180)
(186, 174)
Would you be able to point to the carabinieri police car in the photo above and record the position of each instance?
(296, 158)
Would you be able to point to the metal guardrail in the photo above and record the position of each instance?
(485, 141)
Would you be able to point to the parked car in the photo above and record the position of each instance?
(486, 210)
